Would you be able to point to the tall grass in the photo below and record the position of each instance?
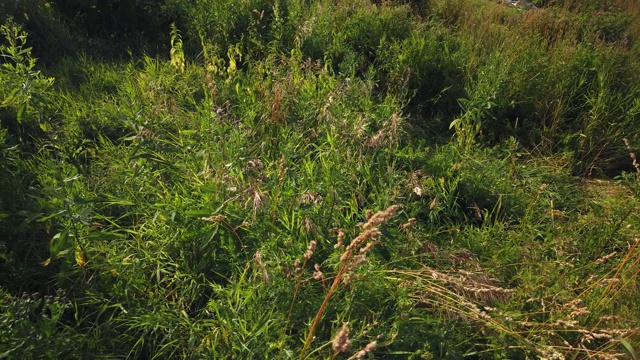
(233, 197)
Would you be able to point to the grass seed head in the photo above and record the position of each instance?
(317, 274)
(358, 242)
(367, 349)
(339, 243)
(296, 266)
(408, 224)
(310, 249)
(365, 250)
(380, 217)
(341, 342)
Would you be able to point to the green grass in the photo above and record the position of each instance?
(449, 178)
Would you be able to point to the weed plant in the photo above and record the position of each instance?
(320, 179)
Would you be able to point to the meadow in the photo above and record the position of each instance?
(319, 179)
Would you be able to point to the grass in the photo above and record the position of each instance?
(292, 179)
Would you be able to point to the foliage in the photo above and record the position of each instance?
(26, 88)
(319, 179)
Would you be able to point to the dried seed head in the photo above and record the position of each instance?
(358, 241)
(310, 249)
(318, 275)
(296, 265)
(409, 222)
(340, 239)
(367, 349)
(309, 226)
(282, 171)
(369, 214)
(357, 260)
(365, 250)
(257, 203)
(347, 278)
(380, 217)
(215, 218)
(258, 257)
(341, 342)
(434, 203)
(605, 259)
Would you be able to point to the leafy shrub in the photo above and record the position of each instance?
(33, 326)
(24, 90)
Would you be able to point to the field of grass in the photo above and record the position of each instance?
(319, 179)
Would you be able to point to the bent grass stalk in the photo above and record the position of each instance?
(610, 292)
(348, 262)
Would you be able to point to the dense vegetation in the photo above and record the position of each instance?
(319, 179)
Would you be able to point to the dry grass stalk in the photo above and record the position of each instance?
(282, 170)
(258, 259)
(476, 286)
(258, 200)
(389, 135)
(457, 294)
(349, 261)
